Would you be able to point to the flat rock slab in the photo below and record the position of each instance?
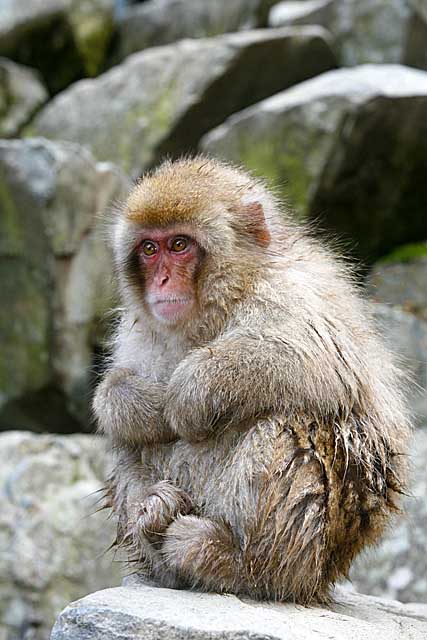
(142, 611)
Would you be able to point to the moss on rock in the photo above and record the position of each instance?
(406, 253)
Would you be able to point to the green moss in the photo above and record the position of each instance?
(284, 169)
(29, 131)
(92, 36)
(406, 253)
(162, 115)
(48, 45)
(11, 232)
(24, 328)
(159, 117)
(260, 159)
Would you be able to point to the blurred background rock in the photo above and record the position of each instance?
(327, 99)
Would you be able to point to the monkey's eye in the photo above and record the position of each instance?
(179, 244)
(148, 248)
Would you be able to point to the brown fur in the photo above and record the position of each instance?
(258, 447)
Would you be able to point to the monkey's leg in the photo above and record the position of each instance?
(204, 553)
(287, 550)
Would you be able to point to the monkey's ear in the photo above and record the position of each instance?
(254, 219)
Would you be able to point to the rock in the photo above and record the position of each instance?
(64, 39)
(398, 567)
(27, 179)
(54, 268)
(404, 285)
(52, 543)
(406, 335)
(158, 22)
(264, 8)
(401, 279)
(143, 611)
(415, 53)
(320, 12)
(377, 31)
(21, 94)
(162, 100)
(348, 146)
(372, 30)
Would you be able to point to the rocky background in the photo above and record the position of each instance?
(327, 99)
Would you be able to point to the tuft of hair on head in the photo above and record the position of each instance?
(199, 191)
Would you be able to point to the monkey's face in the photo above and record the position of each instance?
(168, 262)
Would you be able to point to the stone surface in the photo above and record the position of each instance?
(402, 283)
(21, 93)
(142, 611)
(64, 39)
(415, 53)
(348, 146)
(286, 13)
(397, 568)
(163, 99)
(372, 30)
(54, 268)
(378, 31)
(158, 22)
(406, 335)
(52, 544)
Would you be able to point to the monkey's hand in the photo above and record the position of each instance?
(212, 389)
(129, 409)
(151, 513)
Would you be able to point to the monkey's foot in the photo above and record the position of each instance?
(203, 553)
(161, 505)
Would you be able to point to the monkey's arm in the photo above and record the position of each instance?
(240, 378)
(129, 409)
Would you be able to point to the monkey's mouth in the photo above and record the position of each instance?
(173, 301)
(171, 308)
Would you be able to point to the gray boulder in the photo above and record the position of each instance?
(64, 39)
(163, 99)
(398, 285)
(142, 611)
(406, 335)
(158, 22)
(347, 147)
(54, 269)
(377, 31)
(401, 279)
(299, 12)
(52, 543)
(397, 568)
(21, 94)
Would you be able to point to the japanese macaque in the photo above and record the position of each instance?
(256, 418)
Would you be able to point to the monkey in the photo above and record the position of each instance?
(257, 420)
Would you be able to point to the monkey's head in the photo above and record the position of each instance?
(191, 237)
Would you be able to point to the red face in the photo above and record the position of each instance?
(169, 261)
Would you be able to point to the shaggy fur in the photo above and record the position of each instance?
(259, 446)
